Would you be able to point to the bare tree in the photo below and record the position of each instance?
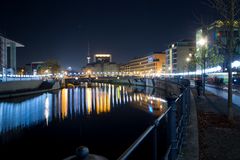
(228, 9)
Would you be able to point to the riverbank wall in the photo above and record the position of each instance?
(170, 86)
(24, 88)
(14, 86)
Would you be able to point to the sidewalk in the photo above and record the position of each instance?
(218, 138)
(190, 148)
(223, 93)
(236, 88)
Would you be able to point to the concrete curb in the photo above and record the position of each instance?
(190, 149)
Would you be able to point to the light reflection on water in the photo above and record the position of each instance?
(67, 103)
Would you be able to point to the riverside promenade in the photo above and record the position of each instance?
(218, 137)
(210, 135)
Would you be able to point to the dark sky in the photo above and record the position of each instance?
(61, 29)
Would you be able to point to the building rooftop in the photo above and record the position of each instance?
(183, 42)
(150, 54)
(9, 41)
(102, 55)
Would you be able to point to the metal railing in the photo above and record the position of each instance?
(177, 116)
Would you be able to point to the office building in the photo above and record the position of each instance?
(102, 66)
(152, 64)
(177, 54)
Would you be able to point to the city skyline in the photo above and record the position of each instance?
(120, 79)
(62, 30)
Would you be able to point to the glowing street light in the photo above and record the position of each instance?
(46, 71)
(188, 60)
(202, 41)
(89, 72)
(236, 64)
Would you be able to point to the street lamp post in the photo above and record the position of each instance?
(203, 41)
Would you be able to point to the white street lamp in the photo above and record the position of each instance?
(202, 41)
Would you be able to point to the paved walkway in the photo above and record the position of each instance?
(218, 137)
(224, 94)
(190, 148)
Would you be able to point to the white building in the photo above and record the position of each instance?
(8, 56)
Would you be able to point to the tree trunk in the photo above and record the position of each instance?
(230, 113)
(204, 75)
(231, 43)
(204, 70)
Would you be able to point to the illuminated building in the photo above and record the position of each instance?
(8, 55)
(216, 34)
(102, 66)
(154, 63)
(102, 58)
(176, 55)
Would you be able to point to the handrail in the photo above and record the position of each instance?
(135, 144)
(140, 139)
(176, 141)
(177, 99)
(163, 115)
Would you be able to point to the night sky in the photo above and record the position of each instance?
(61, 29)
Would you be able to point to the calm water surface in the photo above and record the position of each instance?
(105, 118)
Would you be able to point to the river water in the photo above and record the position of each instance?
(106, 118)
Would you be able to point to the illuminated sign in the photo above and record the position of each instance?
(102, 55)
(150, 59)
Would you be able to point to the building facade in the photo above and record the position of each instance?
(177, 55)
(8, 56)
(102, 57)
(152, 64)
(102, 66)
(216, 35)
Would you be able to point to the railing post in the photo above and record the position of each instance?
(188, 101)
(155, 143)
(183, 102)
(185, 105)
(172, 125)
